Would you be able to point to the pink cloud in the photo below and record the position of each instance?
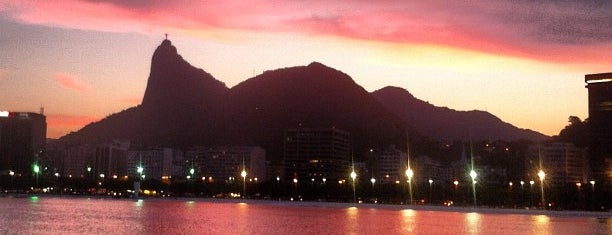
(59, 125)
(561, 32)
(70, 82)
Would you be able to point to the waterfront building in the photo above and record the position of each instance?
(225, 162)
(563, 163)
(156, 163)
(72, 160)
(111, 159)
(22, 141)
(388, 164)
(317, 153)
(600, 122)
(431, 169)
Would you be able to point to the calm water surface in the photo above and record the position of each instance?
(53, 215)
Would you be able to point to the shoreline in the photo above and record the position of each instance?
(317, 204)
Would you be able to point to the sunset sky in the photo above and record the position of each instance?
(522, 61)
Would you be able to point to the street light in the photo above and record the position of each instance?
(36, 170)
(372, 180)
(410, 174)
(140, 171)
(473, 175)
(12, 173)
(243, 174)
(354, 176)
(430, 191)
(592, 185)
(456, 183)
(541, 174)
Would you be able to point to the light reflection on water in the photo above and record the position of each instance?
(48, 215)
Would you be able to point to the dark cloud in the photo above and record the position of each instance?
(562, 22)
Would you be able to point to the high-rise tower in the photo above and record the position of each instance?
(22, 141)
(600, 121)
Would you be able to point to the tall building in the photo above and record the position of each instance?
(111, 159)
(600, 121)
(156, 163)
(388, 164)
(317, 153)
(22, 141)
(428, 168)
(563, 163)
(221, 163)
(72, 160)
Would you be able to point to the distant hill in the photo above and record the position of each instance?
(448, 124)
(185, 106)
(310, 96)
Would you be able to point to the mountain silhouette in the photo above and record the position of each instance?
(185, 106)
(448, 124)
(312, 96)
(181, 105)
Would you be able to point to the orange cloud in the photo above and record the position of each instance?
(59, 125)
(70, 82)
(555, 31)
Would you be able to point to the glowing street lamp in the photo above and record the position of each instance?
(243, 174)
(140, 171)
(354, 176)
(410, 174)
(372, 180)
(36, 170)
(541, 174)
(473, 175)
(592, 182)
(456, 183)
(430, 189)
(12, 173)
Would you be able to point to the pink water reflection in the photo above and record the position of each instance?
(105, 216)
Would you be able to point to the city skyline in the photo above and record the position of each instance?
(523, 62)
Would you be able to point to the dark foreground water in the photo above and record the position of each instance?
(54, 215)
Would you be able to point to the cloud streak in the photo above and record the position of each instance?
(70, 82)
(555, 31)
(59, 125)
